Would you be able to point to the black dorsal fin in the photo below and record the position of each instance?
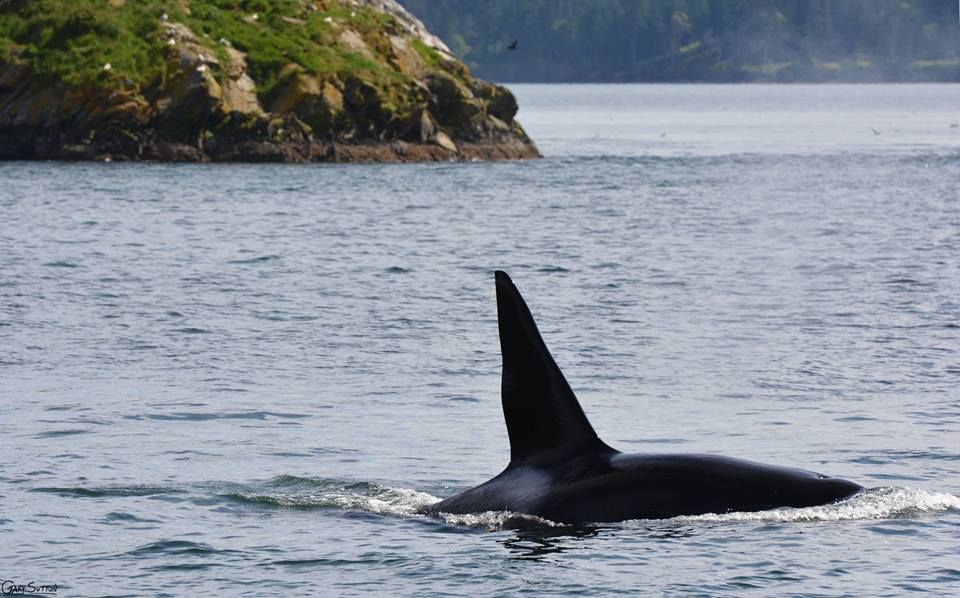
(544, 419)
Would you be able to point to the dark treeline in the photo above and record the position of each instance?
(700, 40)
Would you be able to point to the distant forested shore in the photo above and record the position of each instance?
(700, 40)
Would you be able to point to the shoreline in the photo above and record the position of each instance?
(270, 152)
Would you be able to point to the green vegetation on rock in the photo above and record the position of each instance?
(274, 34)
(208, 73)
(72, 41)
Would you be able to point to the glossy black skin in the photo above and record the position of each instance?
(616, 486)
(560, 469)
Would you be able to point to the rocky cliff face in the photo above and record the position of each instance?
(296, 81)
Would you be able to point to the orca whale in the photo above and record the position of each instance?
(560, 469)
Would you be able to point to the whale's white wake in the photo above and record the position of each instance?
(875, 503)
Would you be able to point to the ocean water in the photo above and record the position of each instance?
(247, 379)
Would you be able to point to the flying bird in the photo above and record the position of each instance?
(513, 45)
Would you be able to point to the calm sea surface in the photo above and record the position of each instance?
(245, 379)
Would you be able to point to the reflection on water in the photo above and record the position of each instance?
(539, 543)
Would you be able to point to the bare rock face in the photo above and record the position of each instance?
(239, 90)
(405, 59)
(200, 90)
(417, 103)
(413, 26)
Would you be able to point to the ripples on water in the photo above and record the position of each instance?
(248, 379)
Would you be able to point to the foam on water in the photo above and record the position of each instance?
(346, 495)
(298, 492)
(875, 503)
(499, 520)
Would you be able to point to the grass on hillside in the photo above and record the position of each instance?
(71, 41)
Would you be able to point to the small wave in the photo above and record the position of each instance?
(464, 399)
(500, 520)
(282, 316)
(255, 260)
(60, 433)
(323, 493)
(200, 417)
(106, 491)
(901, 280)
(193, 330)
(120, 516)
(335, 562)
(876, 503)
(176, 547)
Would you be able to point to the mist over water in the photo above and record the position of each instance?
(249, 379)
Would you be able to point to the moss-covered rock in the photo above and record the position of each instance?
(319, 103)
(289, 80)
(500, 102)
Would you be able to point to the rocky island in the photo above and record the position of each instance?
(241, 80)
